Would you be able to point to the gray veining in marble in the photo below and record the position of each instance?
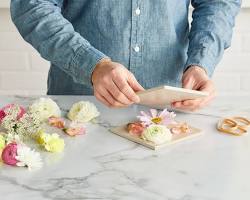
(101, 165)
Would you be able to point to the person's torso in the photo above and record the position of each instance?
(148, 37)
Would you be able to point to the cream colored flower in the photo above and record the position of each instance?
(45, 108)
(2, 141)
(157, 134)
(83, 111)
(28, 158)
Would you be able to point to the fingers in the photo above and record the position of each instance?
(105, 97)
(114, 85)
(134, 83)
(126, 89)
(118, 94)
(193, 105)
(102, 99)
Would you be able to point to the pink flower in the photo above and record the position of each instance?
(162, 118)
(136, 128)
(57, 122)
(3, 111)
(75, 129)
(9, 154)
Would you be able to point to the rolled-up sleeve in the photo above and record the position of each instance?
(41, 23)
(211, 32)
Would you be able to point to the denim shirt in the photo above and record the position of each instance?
(152, 38)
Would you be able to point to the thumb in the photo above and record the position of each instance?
(134, 83)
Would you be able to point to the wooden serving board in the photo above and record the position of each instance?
(122, 131)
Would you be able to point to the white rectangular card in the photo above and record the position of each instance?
(162, 97)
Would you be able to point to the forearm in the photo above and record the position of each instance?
(44, 27)
(211, 32)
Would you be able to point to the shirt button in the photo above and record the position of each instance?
(138, 11)
(137, 48)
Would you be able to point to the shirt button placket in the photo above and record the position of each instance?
(135, 53)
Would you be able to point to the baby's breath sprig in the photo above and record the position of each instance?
(28, 125)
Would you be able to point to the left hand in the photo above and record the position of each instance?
(196, 78)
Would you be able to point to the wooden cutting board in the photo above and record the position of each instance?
(122, 131)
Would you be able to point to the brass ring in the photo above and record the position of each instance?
(232, 130)
(243, 120)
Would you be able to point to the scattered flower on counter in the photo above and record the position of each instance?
(2, 141)
(21, 155)
(51, 142)
(16, 122)
(157, 134)
(21, 126)
(6, 109)
(75, 129)
(10, 138)
(162, 118)
(9, 154)
(45, 108)
(83, 111)
(57, 122)
(28, 158)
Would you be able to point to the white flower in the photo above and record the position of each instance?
(28, 158)
(12, 138)
(157, 134)
(83, 111)
(45, 108)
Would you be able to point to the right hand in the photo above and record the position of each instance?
(114, 85)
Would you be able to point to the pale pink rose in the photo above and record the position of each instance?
(9, 154)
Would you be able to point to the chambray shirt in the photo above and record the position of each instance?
(152, 38)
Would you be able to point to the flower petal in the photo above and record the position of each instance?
(153, 113)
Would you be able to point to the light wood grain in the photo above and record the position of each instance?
(122, 131)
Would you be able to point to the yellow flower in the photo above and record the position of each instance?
(52, 143)
(2, 142)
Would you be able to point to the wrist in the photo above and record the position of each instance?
(101, 63)
(197, 68)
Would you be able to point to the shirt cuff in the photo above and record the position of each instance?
(203, 59)
(83, 64)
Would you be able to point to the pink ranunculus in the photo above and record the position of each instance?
(3, 111)
(9, 154)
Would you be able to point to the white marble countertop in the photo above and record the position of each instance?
(101, 165)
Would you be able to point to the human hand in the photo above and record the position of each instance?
(114, 85)
(196, 78)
